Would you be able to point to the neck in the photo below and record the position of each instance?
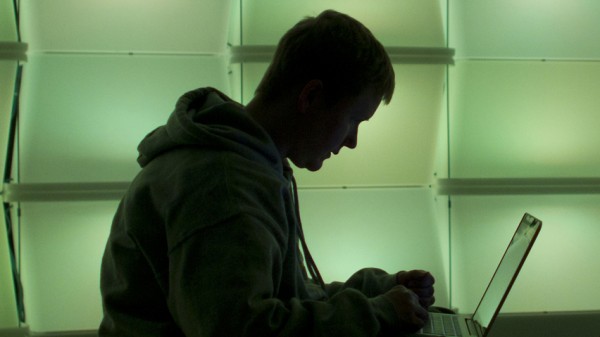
(276, 118)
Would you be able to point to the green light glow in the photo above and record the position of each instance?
(569, 234)
(85, 109)
(524, 119)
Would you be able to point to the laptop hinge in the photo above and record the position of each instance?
(475, 329)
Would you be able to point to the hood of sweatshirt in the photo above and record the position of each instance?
(208, 118)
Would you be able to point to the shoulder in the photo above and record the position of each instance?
(212, 185)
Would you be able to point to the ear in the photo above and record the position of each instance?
(310, 94)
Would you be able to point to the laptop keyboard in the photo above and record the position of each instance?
(445, 325)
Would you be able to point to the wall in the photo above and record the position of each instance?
(92, 91)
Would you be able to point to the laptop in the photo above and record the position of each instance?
(480, 323)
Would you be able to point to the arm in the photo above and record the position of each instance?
(369, 281)
(373, 282)
(226, 281)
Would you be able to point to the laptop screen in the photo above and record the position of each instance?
(507, 271)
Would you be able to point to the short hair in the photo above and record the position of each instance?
(334, 48)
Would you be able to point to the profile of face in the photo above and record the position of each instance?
(325, 128)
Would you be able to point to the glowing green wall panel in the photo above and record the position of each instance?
(8, 73)
(524, 119)
(84, 115)
(8, 30)
(8, 309)
(408, 23)
(532, 29)
(390, 228)
(562, 271)
(62, 245)
(108, 26)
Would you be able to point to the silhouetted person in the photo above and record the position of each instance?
(207, 240)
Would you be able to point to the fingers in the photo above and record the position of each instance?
(415, 278)
(426, 302)
(410, 312)
(425, 295)
(420, 315)
(422, 292)
(421, 283)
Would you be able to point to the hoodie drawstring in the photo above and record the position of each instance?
(311, 265)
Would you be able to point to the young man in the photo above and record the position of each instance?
(207, 240)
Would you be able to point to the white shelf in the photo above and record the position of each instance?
(518, 186)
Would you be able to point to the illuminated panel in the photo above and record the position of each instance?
(154, 26)
(85, 115)
(8, 70)
(408, 23)
(391, 228)
(8, 73)
(8, 308)
(62, 246)
(524, 119)
(8, 312)
(562, 269)
(516, 29)
(8, 27)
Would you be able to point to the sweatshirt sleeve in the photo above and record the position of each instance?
(369, 281)
(224, 279)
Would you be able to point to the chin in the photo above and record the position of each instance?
(315, 166)
(312, 166)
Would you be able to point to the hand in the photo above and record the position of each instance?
(408, 309)
(421, 283)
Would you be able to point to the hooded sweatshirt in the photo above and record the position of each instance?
(205, 241)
